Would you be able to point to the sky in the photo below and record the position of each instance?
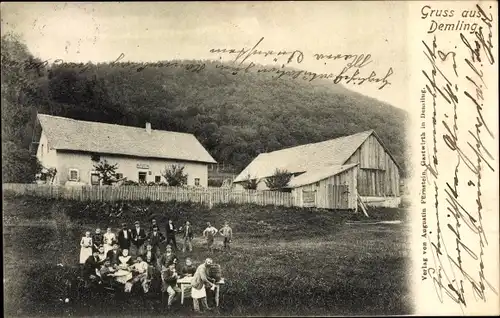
(153, 31)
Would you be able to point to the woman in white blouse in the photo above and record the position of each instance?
(85, 247)
(109, 240)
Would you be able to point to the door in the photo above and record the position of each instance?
(142, 177)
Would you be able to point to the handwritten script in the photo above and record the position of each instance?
(454, 247)
(352, 67)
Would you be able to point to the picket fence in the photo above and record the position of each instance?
(207, 196)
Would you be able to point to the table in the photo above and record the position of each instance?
(186, 281)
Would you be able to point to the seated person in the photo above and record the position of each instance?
(102, 255)
(123, 273)
(149, 256)
(125, 260)
(113, 255)
(140, 269)
(169, 278)
(188, 269)
(167, 258)
(90, 267)
(107, 272)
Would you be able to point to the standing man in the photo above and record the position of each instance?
(155, 238)
(227, 233)
(124, 237)
(171, 230)
(198, 284)
(138, 239)
(153, 224)
(209, 233)
(188, 237)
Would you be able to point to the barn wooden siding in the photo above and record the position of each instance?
(378, 174)
(329, 192)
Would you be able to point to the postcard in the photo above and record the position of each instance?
(335, 158)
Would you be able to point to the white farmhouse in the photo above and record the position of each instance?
(72, 147)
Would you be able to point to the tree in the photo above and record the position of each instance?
(107, 172)
(279, 180)
(18, 165)
(175, 175)
(250, 183)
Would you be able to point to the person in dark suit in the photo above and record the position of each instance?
(171, 230)
(138, 239)
(149, 256)
(155, 238)
(167, 258)
(124, 237)
(90, 266)
(113, 255)
(187, 234)
(153, 224)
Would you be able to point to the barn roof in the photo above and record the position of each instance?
(77, 135)
(305, 157)
(315, 175)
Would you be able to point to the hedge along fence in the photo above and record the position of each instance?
(207, 196)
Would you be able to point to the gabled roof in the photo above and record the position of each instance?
(306, 157)
(315, 175)
(77, 135)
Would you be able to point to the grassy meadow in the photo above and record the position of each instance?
(283, 261)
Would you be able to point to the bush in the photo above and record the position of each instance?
(130, 183)
(279, 180)
(215, 183)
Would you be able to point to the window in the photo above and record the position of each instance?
(197, 182)
(157, 179)
(94, 178)
(119, 175)
(95, 158)
(142, 177)
(73, 175)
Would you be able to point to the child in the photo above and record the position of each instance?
(86, 247)
(227, 233)
(209, 234)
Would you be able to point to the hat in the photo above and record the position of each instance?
(136, 222)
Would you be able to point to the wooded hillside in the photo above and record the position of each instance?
(236, 117)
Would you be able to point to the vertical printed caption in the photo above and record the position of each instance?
(457, 146)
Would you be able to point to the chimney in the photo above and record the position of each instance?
(148, 128)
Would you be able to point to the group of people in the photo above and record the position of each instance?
(136, 239)
(132, 256)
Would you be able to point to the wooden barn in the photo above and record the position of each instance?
(333, 173)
